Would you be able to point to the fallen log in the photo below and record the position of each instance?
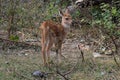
(10, 44)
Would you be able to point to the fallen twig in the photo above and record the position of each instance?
(116, 51)
(10, 44)
(58, 72)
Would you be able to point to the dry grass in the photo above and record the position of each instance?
(19, 64)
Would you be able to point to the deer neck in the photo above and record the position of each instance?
(66, 26)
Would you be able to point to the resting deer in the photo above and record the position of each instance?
(54, 33)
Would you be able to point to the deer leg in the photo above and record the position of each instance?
(61, 54)
(43, 42)
(60, 47)
(43, 53)
(49, 45)
(57, 50)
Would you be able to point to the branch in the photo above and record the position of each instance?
(58, 72)
(10, 44)
(116, 50)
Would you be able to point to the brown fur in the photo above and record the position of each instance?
(53, 33)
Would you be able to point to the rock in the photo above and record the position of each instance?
(82, 40)
(78, 1)
(83, 46)
(95, 55)
(103, 73)
(6, 62)
(103, 49)
(39, 74)
(71, 9)
(26, 54)
(21, 36)
(108, 52)
(31, 40)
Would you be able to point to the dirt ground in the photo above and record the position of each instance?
(19, 63)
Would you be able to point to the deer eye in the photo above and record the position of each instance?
(67, 18)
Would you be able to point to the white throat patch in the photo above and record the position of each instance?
(66, 27)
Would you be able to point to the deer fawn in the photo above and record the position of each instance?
(54, 33)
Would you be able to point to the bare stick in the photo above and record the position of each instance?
(116, 51)
(82, 54)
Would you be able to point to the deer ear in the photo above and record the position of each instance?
(67, 11)
(60, 13)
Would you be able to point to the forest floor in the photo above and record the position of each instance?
(19, 63)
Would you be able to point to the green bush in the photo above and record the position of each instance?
(14, 37)
(103, 16)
